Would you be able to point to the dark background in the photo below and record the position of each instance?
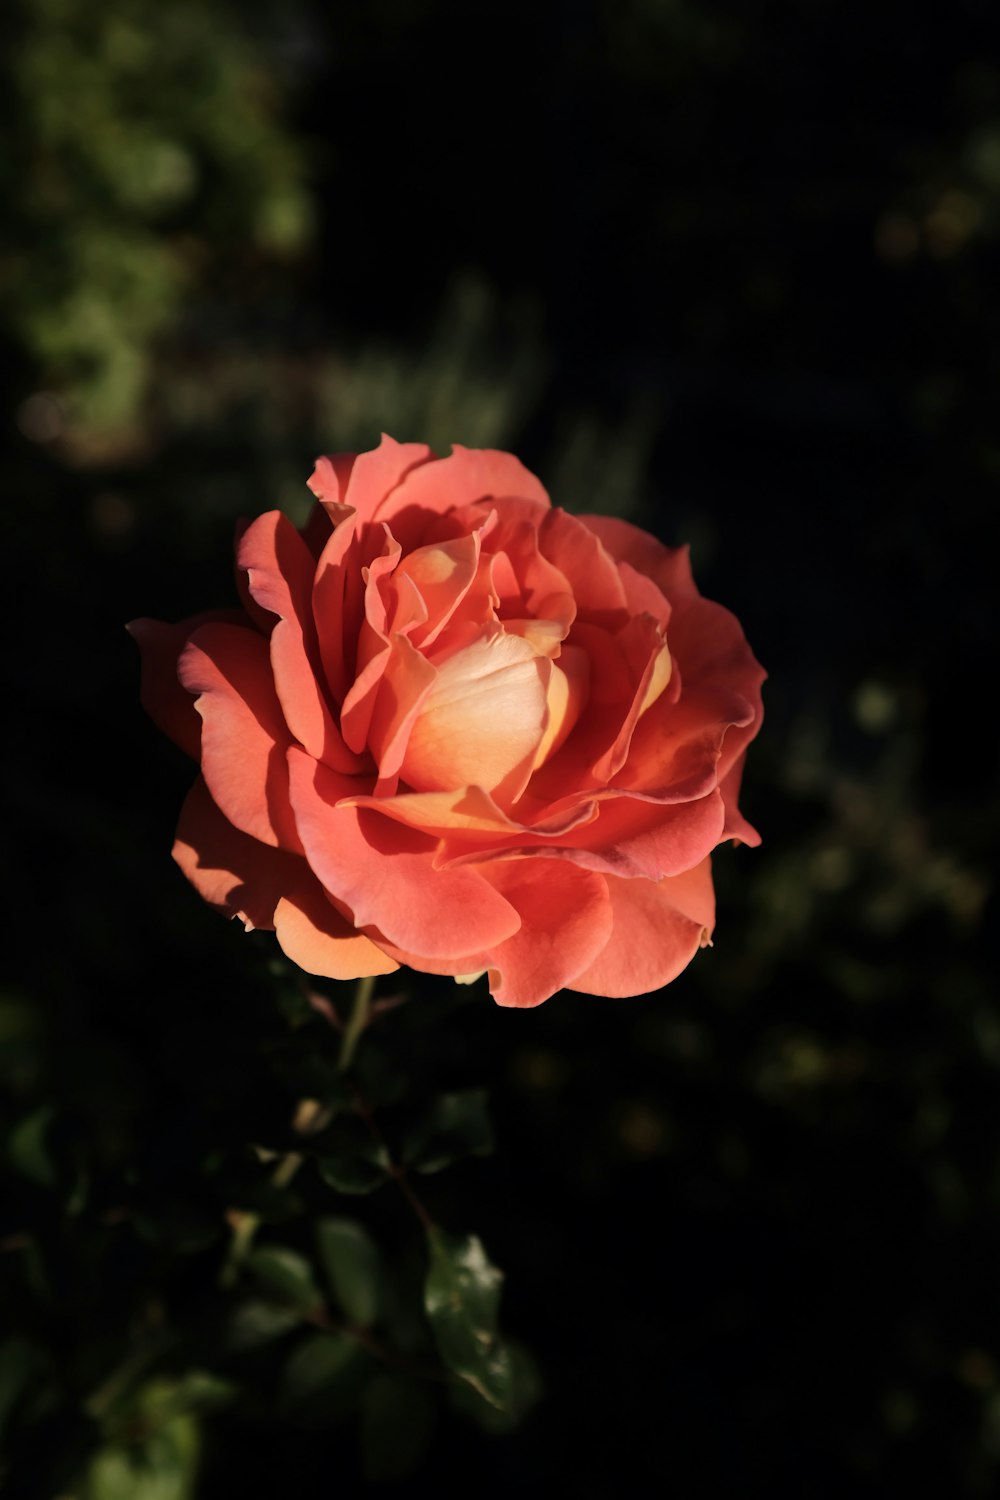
(731, 271)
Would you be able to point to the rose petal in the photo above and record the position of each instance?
(631, 839)
(482, 720)
(539, 590)
(169, 705)
(442, 575)
(241, 876)
(668, 567)
(382, 872)
(706, 638)
(313, 934)
(372, 657)
(342, 599)
(470, 812)
(622, 670)
(657, 929)
(566, 922)
(378, 474)
(592, 573)
(256, 615)
(466, 475)
(316, 530)
(329, 481)
(676, 747)
(642, 595)
(280, 571)
(337, 636)
(406, 683)
(736, 826)
(244, 736)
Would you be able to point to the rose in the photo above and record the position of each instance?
(456, 728)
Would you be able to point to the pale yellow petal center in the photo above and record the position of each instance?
(483, 720)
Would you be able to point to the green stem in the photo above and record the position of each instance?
(356, 1022)
(246, 1229)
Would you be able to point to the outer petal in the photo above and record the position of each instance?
(377, 474)
(566, 921)
(168, 704)
(579, 554)
(737, 827)
(467, 475)
(641, 839)
(329, 481)
(241, 876)
(658, 928)
(313, 934)
(676, 748)
(669, 567)
(382, 872)
(244, 735)
(707, 639)
(280, 569)
(621, 671)
(632, 839)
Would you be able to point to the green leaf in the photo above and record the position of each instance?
(162, 1467)
(194, 1391)
(257, 1322)
(525, 1392)
(350, 1160)
(28, 1149)
(352, 1264)
(397, 1423)
(461, 1296)
(457, 1126)
(323, 1377)
(286, 1274)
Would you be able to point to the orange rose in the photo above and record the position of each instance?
(455, 728)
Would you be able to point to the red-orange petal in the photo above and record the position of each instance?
(314, 935)
(169, 705)
(657, 929)
(566, 922)
(329, 481)
(592, 572)
(675, 750)
(668, 567)
(406, 681)
(379, 473)
(736, 825)
(244, 736)
(442, 573)
(383, 873)
(632, 839)
(231, 871)
(280, 569)
(466, 475)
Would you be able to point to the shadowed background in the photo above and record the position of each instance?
(730, 272)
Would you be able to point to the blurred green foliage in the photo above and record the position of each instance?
(151, 161)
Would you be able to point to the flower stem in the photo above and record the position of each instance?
(356, 1022)
(246, 1224)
